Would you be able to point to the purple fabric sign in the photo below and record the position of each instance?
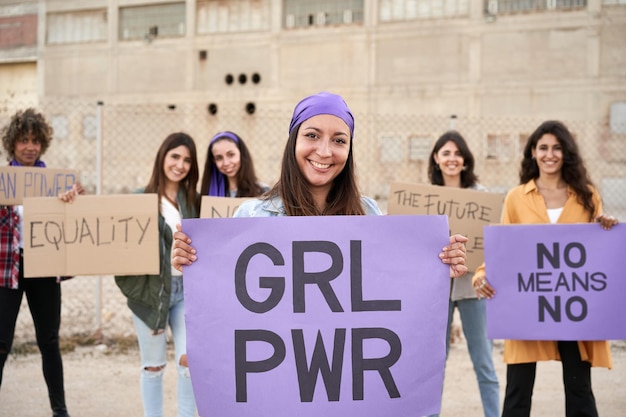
(317, 316)
(561, 282)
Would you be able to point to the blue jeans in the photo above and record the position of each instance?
(474, 321)
(153, 351)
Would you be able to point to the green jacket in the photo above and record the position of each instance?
(148, 296)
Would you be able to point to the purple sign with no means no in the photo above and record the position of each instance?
(555, 282)
(317, 316)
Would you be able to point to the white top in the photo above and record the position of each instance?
(554, 214)
(172, 217)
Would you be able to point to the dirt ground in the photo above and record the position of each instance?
(102, 383)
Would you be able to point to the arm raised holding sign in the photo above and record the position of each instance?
(318, 177)
(554, 188)
(70, 195)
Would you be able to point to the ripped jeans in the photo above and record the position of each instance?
(153, 351)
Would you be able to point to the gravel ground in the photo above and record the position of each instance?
(100, 383)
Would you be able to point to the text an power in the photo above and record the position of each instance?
(39, 184)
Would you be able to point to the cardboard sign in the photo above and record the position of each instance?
(19, 182)
(555, 282)
(219, 207)
(468, 211)
(317, 316)
(94, 235)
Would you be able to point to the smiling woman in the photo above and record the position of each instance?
(554, 188)
(25, 140)
(322, 154)
(229, 169)
(156, 301)
(451, 164)
(318, 177)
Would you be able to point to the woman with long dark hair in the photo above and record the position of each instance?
(451, 164)
(229, 169)
(156, 301)
(554, 188)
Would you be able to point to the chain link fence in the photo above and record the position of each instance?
(113, 147)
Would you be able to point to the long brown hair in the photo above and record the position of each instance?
(344, 197)
(188, 184)
(573, 170)
(247, 181)
(468, 177)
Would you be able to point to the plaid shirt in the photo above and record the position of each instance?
(9, 247)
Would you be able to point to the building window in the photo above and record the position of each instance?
(153, 21)
(526, 6)
(419, 147)
(305, 13)
(609, 2)
(77, 27)
(217, 16)
(617, 118)
(17, 31)
(501, 147)
(396, 10)
(60, 125)
(522, 140)
(391, 148)
(90, 126)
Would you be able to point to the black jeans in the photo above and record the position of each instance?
(579, 399)
(44, 302)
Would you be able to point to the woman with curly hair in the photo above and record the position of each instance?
(554, 188)
(25, 139)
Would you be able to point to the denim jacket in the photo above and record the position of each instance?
(274, 207)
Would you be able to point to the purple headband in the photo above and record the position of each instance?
(322, 103)
(217, 186)
(228, 135)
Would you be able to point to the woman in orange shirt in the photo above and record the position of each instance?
(554, 188)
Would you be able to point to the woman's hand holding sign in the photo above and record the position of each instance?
(455, 255)
(483, 289)
(183, 253)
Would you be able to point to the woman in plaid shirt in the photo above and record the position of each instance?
(25, 139)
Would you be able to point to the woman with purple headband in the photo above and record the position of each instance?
(317, 177)
(229, 170)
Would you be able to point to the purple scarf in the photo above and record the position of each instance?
(217, 187)
(38, 163)
(322, 103)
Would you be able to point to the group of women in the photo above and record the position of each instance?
(157, 301)
(318, 177)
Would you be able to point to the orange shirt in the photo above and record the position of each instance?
(525, 205)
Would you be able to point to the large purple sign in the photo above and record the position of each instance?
(317, 316)
(555, 282)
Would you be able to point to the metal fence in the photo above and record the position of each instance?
(113, 148)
